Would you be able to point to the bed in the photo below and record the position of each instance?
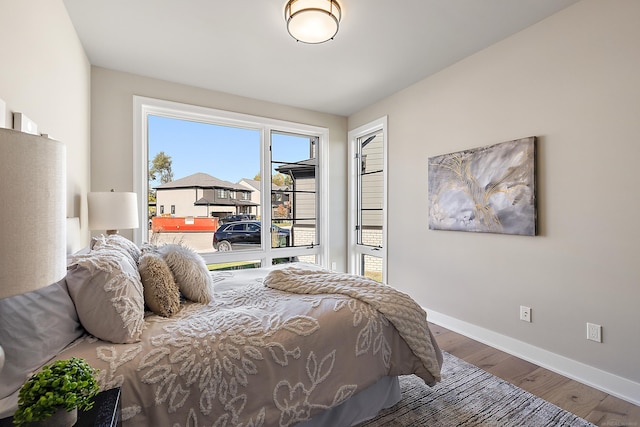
(281, 346)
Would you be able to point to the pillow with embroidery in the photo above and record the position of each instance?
(161, 293)
(189, 271)
(118, 243)
(107, 292)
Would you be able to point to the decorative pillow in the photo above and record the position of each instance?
(161, 293)
(189, 271)
(34, 327)
(117, 242)
(148, 247)
(107, 292)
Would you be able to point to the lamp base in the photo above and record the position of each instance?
(110, 232)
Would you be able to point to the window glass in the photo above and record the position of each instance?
(371, 193)
(372, 267)
(368, 199)
(216, 168)
(189, 171)
(294, 190)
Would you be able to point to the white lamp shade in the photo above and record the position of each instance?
(33, 214)
(313, 21)
(112, 210)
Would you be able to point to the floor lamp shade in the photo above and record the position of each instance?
(33, 215)
(111, 211)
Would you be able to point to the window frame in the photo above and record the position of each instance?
(144, 107)
(356, 251)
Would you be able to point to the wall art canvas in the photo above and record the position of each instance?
(490, 189)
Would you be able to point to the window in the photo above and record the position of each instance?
(367, 200)
(294, 189)
(208, 182)
(173, 209)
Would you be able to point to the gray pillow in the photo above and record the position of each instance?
(35, 327)
(106, 289)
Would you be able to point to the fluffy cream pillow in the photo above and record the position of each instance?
(161, 293)
(107, 292)
(189, 271)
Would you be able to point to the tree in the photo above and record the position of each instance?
(281, 180)
(160, 168)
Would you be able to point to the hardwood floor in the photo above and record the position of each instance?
(593, 405)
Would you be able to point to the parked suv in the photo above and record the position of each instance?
(239, 217)
(246, 235)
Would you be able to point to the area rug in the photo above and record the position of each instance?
(468, 396)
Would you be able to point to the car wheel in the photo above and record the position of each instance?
(224, 246)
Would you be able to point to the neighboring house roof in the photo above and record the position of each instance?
(301, 169)
(255, 184)
(203, 201)
(201, 180)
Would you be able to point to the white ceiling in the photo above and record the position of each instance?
(242, 46)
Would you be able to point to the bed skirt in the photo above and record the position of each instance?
(361, 407)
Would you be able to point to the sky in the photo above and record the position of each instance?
(224, 152)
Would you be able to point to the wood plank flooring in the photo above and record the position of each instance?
(593, 405)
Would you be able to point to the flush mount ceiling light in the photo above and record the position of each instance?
(312, 21)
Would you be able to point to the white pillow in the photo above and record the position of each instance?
(107, 292)
(119, 243)
(189, 271)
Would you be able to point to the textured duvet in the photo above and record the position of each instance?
(255, 356)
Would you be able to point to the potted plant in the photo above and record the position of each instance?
(60, 388)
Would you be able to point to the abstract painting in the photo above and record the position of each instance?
(490, 189)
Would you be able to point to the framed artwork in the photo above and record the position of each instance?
(490, 189)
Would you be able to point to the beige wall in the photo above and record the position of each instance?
(112, 135)
(183, 200)
(45, 74)
(573, 81)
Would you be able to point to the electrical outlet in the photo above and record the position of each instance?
(525, 314)
(594, 332)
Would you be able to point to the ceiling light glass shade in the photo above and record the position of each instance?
(312, 21)
(111, 211)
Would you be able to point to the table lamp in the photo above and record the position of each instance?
(111, 211)
(33, 214)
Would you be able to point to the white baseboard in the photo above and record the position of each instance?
(609, 383)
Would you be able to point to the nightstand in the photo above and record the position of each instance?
(105, 412)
